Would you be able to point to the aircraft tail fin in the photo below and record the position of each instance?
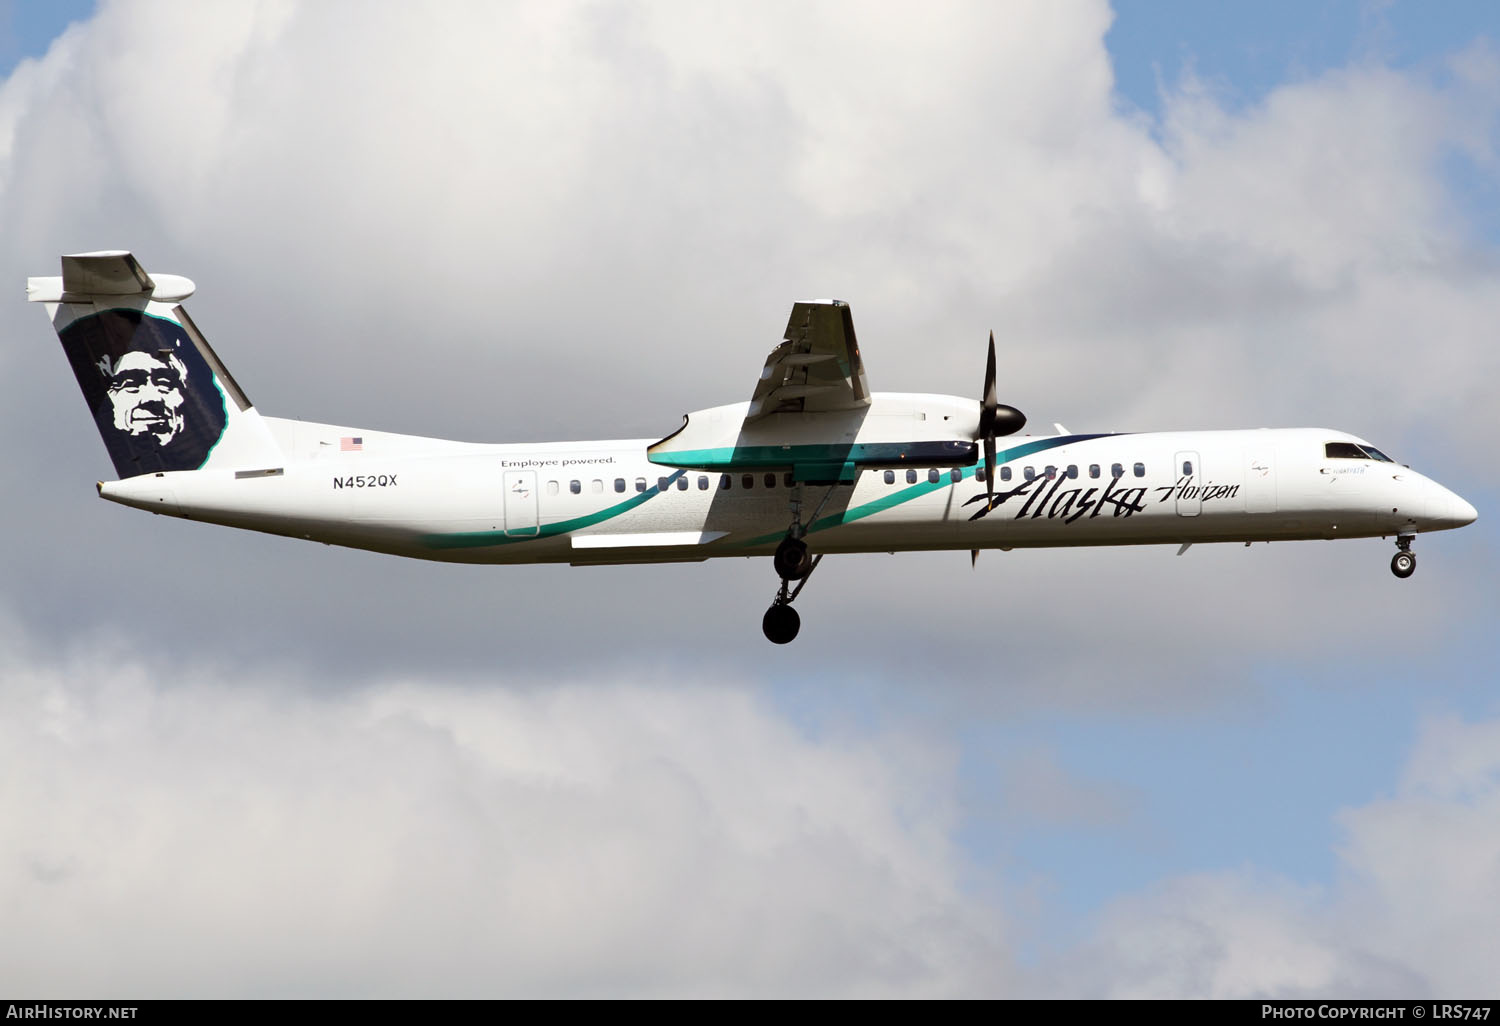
(158, 393)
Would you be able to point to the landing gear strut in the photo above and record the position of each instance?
(781, 622)
(1404, 562)
(793, 563)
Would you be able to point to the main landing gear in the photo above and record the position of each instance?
(793, 563)
(781, 622)
(1404, 562)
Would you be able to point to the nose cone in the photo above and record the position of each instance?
(1447, 510)
(1462, 512)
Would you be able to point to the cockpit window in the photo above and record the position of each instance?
(1344, 451)
(1376, 454)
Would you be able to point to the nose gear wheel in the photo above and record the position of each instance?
(1404, 562)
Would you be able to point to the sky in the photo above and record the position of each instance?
(235, 765)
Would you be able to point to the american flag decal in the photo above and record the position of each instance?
(354, 444)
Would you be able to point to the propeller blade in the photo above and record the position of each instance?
(994, 420)
(990, 402)
(987, 407)
(973, 558)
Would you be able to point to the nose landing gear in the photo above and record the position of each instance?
(1404, 562)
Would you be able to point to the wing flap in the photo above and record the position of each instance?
(653, 540)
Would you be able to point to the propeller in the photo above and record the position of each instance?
(995, 419)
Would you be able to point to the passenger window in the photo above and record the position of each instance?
(1116, 471)
(911, 477)
(1051, 473)
(890, 477)
(932, 476)
(1140, 470)
(598, 486)
(725, 482)
(1093, 470)
(682, 483)
(747, 480)
(979, 473)
(1005, 473)
(787, 481)
(661, 484)
(955, 475)
(551, 487)
(1072, 472)
(703, 482)
(1029, 473)
(770, 480)
(619, 484)
(576, 487)
(640, 484)
(1344, 451)
(1187, 468)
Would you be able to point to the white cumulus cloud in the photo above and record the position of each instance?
(1409, 913)
(195, 831)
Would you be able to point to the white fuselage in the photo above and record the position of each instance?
(606, 502)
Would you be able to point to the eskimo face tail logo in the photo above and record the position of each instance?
(146, 395)
(152, 394)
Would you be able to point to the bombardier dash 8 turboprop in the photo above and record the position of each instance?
(813, 463)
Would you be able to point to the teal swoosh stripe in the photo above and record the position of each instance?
(920, 489)
(758, 457)
(479, 539)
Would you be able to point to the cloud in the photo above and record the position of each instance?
(192, 830)
(1426, 861)
(1407, 916)
(1040, 788)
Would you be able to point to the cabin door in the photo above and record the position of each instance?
(520, 503)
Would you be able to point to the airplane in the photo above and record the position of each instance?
(813, 463)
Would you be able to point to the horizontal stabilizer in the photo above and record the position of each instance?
(110, 273)
(103, 276)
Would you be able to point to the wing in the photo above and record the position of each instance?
(811, 414)
(817, 366)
